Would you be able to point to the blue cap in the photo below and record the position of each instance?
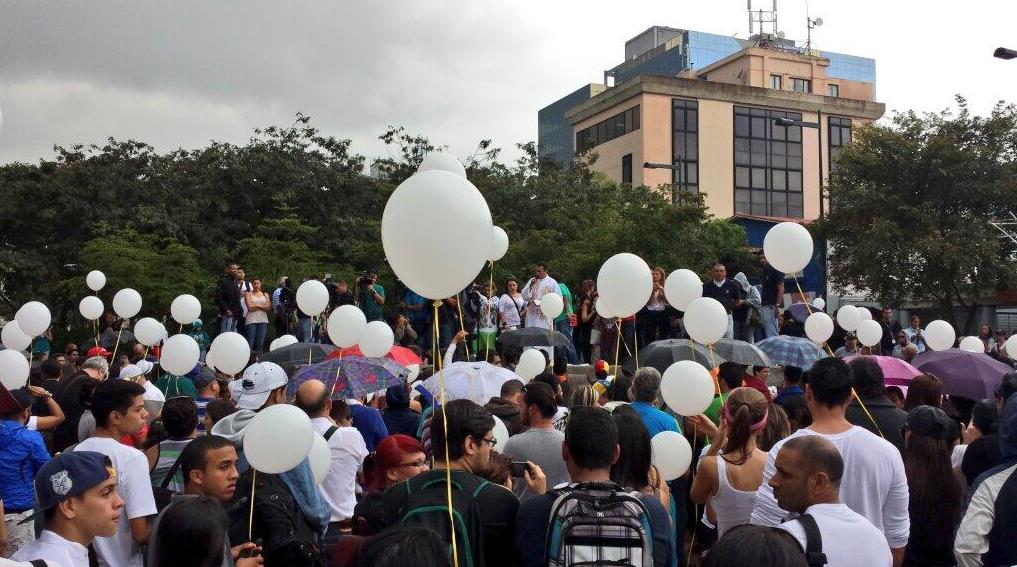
(71, 474)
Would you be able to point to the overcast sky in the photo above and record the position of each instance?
(178, 73)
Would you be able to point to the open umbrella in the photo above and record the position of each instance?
(784, 350)
(662, 354)
(532, 337)
(972, 375)
(350, 377)
(801, 311)
(896, 372)
(291, 357)
(401, 355)
(477, 381)
(741, 352)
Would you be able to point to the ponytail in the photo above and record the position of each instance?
(745, 413)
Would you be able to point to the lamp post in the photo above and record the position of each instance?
(818, 125)
(673, 167)
(1004, 53)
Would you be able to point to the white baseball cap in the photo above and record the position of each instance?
(251, 390)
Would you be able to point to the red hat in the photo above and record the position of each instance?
(601, 366)
(99, 351)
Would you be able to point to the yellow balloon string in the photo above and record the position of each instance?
(114, 357)
(95, 326)
(617, 348)
(635, 339)
(444, 420)
(490, 291)
(250, 517)
(337, 368)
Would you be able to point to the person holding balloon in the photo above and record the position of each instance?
(725, 291)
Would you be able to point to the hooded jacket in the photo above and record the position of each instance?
(398, 416)
(22, 454)
(508, 412)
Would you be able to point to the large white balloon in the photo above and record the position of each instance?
(346, 325)
(285, 340)
(501, 433)
(180, 355)
(819, 327)
(687, 387)
(499, 244)
(377, 339)
(95, 280)
(1011, 346)
(972, 344)
(681, 287)
(33, 318)
(671, 454)
(551, 305)
(439, 160)
(705, 320)
(848, 317)
(185, 309)
(278, 438)
(531, 363)
(127, 303)
(603, 310)
(312, 297)
(320, 458)
(148, 331)
(819, 303)
(625, 283)
(91, 307)
(869, 333)
(210, 360)
(232, 353)
(864, 314)
(788, 247)
(13, 338)
(939, 335)
(14, 369)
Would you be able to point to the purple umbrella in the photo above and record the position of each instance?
(896, 372)
(972, 375)
(351, 376)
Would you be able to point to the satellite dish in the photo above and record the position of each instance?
(819, 22)
(781, 35)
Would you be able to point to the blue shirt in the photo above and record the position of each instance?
(22, 454)
(413, 298)
(654, 419)
(369, 422)
(787, 394)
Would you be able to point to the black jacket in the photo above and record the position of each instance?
(287, 538)
(889, 418)
(508, 412)
(227, 296)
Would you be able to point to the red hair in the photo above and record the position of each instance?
(390, 452)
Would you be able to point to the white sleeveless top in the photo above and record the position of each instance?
(732, 507)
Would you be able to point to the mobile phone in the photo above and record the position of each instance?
(519, 468)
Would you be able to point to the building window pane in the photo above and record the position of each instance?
(627, 169)
(685, 141)
(833, 90)
(742, 126)
(741, 177)
(758, 178)
(774, 177)
(775, 82)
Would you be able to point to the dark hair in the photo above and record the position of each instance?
(194, 456)
(819, 454)
(830, 381)
(1008, 386)
(511, 388)
(561, 366)
(797, 411)
(632, 469)
(542, 265)
(199, 521)
(646, 385)
(745, 407)
(551, 380)
(793, 374)
(618, 391)
(403, 546)
(985, 417)
(868, 377)
(180, 416)
(340, 411)
(218, 409)
(935, 490)
(591, 437)
(498, 469)
(924, 390)
(540, 395)
(465, 419)
(777, 428)
(50, 369)
(87, 391)
(730, 373)
(113, 395)
(756, 545)
(511, 279)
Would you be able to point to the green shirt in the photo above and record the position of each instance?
(567, 296)
(176, 386)
(371, 308)
(713, 412)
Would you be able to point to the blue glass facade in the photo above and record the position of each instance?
(555, 139)
(707, 48)
(851, 67)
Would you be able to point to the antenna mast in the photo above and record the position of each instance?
(767, 20)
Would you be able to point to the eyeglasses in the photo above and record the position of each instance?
(415, 464)
(492, 441)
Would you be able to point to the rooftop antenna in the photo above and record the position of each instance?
(767, 20)
(812, 23)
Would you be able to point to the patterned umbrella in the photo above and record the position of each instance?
(741, 352)
(972, 375)
(896, 372)
(351, 377)
(401, 355)
(791, 351)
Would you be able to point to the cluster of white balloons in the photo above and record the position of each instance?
(31, 320)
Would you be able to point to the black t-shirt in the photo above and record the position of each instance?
(771, 279)
(726, 294)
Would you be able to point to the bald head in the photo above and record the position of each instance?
(312, 397)
(818, 455)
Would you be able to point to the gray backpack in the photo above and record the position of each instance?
(598, 524)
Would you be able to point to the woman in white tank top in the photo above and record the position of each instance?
(732, 470)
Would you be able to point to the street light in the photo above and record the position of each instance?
(1004, 53)
(673, 167)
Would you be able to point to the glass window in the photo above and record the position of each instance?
(801, 85)
(840, 135)
(685, 132)
(775, 82)
(627, 169)
(768, 172)
(607, 130)
(833, 90)
(741, 126)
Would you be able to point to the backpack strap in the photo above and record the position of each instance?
(814, 555)
(38, 563)
(172, 472)
(331, 431)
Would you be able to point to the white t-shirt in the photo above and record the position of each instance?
(135, 487)
(849, 540)
(348, 453)
(52, 549)
(33, 423)
(874, 484)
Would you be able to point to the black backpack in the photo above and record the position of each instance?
(814, 555)
(598, 524)
(427, 506)
(286, 536)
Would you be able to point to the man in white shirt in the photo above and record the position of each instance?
(119, 410)
(539, 285)
(77, 494)
(874, 484)
(348, 451)
(807, 482)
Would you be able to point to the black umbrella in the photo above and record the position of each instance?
(532, 337)
(291, 357)
(662, 354)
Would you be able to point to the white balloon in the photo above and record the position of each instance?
(127, 303)
(819, 303)
(682, 287)
(285, 340)
(209, 359)
(95, 280)
(33, 318)
(312, 297)
(551, 305)
(939, 335)
(625, 283)
(414, 372)
(278, 438)
(864, 314)
(320, 458)
(1011, 346)
(705, 320)
(603, 310)
(442, 161)
(501, 433)
(819, 327)
(671, 454)
(869, 333)
(377, 339)
(232, 353)
(687, 387)
(499, 244)
(429, 214)
(788, 247)
(346, 324)
(972, 344)
(13, 338)
(180, 355)
(848, 317)
(531, 363)
(185, 309)
(14, 369)
(91, 307)
(148, 331)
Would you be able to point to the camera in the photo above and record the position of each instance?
(365, 279)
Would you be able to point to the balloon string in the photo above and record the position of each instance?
(866, 410)
(95, 326)
(181, 329)
(809, 309)
(337, 368)
(617, 348)
(635, 339)
(490, 292)
(462, 327)
(114, 357)
(692, 478)
(250, 516)
(444, 421)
